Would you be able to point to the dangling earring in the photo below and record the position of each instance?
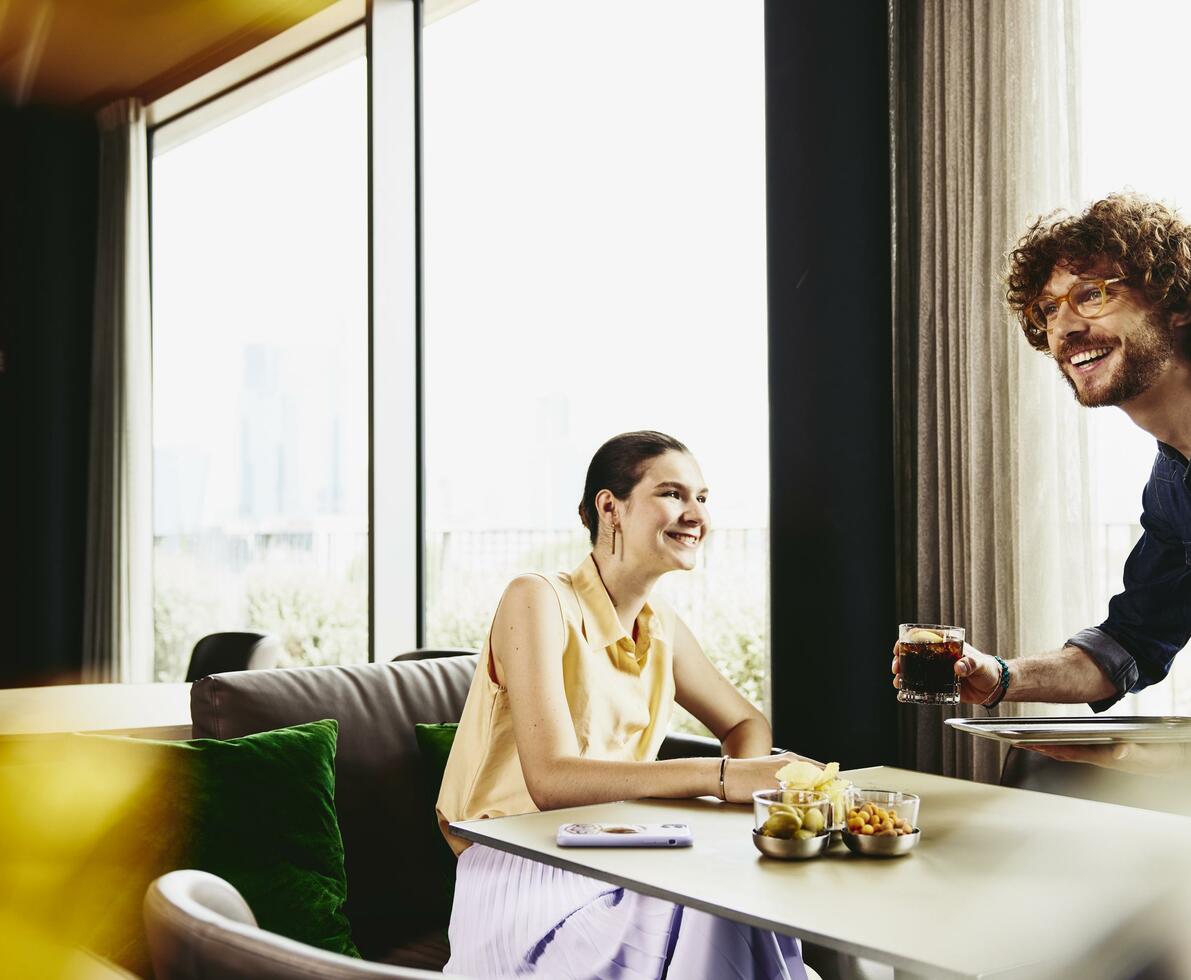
(614, 530)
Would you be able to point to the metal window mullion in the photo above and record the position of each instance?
(394, 329)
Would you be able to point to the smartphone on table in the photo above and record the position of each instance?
(625, 835)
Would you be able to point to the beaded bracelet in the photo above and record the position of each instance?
(723, 769)
(1002, 686)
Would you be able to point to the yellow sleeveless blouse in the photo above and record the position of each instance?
(620, 693)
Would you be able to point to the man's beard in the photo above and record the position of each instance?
(1142, 361)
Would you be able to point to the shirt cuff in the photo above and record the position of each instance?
(1112, 658)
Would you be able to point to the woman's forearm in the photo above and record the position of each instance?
(752, 737)
(575, 781)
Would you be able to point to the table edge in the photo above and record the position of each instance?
(919, 967)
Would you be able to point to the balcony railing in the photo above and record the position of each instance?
(309, 585)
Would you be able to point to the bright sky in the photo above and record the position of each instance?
(260, 240)
(1134, 67)
(595, 258)
(595, 247)
(595, 241)
(1134, 64)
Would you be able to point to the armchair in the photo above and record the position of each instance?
(200, 928)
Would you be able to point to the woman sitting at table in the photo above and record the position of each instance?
(570, 702)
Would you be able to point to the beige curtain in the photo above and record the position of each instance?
(993, 503)
(118, 617)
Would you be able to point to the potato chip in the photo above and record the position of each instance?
(802, 775)
(799, 775)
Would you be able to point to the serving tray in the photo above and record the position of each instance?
(1077, 731)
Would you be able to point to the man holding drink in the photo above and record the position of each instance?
(1107, 295)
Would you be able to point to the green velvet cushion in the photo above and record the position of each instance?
(434, 745)
(258, 811)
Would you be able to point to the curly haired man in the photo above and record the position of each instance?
(1107, 295)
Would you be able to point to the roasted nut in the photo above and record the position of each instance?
(875, 820)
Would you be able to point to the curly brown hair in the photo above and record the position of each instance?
(1139, 239)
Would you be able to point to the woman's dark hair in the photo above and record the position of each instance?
(617, 467)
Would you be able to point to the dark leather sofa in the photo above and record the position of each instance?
(397, 864)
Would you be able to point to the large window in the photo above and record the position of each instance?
(595, 263)
(260, 370)
(1132, 142)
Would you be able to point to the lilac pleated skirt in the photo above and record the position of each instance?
(517, 918)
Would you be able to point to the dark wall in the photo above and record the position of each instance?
(48, 192)
(830, 357)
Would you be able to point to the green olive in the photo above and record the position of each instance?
(783, 825)
(813, 821)
(805, 834)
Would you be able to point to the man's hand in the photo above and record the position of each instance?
(1151, 759)
(978, 673)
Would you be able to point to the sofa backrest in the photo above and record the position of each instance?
(392, 847)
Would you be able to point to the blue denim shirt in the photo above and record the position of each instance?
(1150, 621)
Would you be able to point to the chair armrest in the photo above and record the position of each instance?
(426, 654)
(199, 926)
(679, 745)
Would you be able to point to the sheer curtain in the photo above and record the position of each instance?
(117, 614)
(994, 511)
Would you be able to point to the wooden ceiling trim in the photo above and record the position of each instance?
(84, 53)
(331, 20)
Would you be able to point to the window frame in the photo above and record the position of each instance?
(389, 39)
(391, 33)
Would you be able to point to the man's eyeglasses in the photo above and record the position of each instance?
(1087, 298)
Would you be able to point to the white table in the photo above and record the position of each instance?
(1004, 882)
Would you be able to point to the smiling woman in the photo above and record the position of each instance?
(569, 705)
(618, 467)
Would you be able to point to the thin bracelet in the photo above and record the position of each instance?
(1002, 686)
(723, 769)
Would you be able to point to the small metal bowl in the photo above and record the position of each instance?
(793, 849)
(875, 846)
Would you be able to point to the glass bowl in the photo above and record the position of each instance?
(881, 821)
(791, 814)
(838, 803)
(791, 824)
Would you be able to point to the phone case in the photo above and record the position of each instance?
(625, 835)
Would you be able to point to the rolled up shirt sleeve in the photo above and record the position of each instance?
(1150, 620)
(1112, 658)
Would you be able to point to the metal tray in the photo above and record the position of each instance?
(1100, 730)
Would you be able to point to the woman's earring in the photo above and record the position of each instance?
(614, 529)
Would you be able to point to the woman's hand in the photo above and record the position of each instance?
(978, 674)
(743, 777)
